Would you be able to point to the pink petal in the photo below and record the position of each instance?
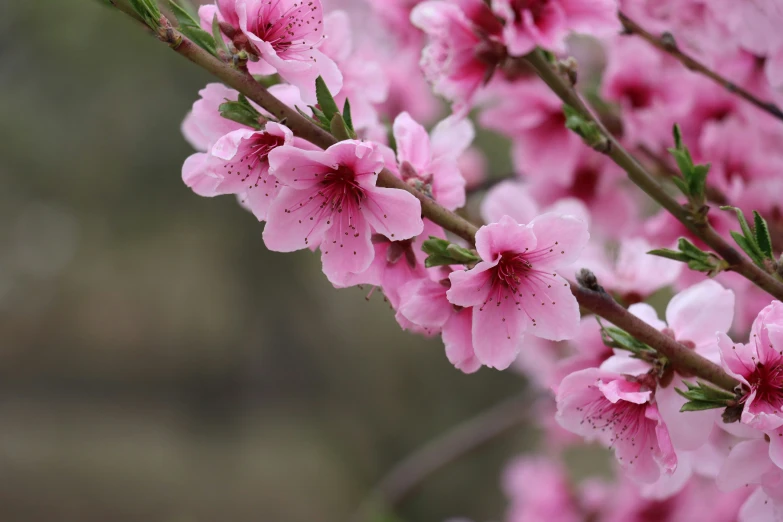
(700, 312)
(647, 314)
(294, 221)
(413, 142)
(504, 236)
(560, 239)
(394, 213)
(424, 303)
(470, 287)
(551, 307)
(298, 168)
(346, 246)
(497, 333)
(690, 430)
(199, 176)
(509, 198)
(457, 337)
(451, 137)
(736, 358)
(746, 463)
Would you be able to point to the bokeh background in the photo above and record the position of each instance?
(156, 362)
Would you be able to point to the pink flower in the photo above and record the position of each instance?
(429, 162)
(652, 89)
(532, 116)
(463, 49)
(238, 164)
(330, 199)
(539, 490)
(759, 366)
(635, 274)
(604, 406)
(286, 35)
(204, 125)
(515, 288)
(396, 263)
(547, 23)
(424, 306)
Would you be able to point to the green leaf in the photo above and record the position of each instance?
(218, 36)
(338, 128)
(325, 100)
(750, 247)
(443, 252)
(241, 111)
(347, 115)
(677, 136)
(190, 27)
(700, 406)
(763, 239)
(585, 128)
(148, 11)
(670, 254)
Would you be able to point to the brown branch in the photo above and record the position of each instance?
(667, 44)
(679, 355)
(695, 222)
(468, 436)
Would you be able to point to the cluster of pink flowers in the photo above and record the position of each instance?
(512, 305)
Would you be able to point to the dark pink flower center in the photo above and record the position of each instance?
(767, 381)
(340, 189)
(256, 153)
(510, 270)
(289, 29)
(638, 96)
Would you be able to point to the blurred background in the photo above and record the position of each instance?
(156, 362)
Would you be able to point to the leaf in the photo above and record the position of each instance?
(677, 136)
(670, 254)
(338, 128)
(148, 11)
(191, 28)
(442, 252)
(763, 239)
(750, 248)
(700, 406)
(347, 115)
(218, 36)
(325, 100)
(241, 111)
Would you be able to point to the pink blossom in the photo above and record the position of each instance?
(547, 23)
(408, 89)
(515, 288)
(634, 274)
(759, 366)
(532, 116)
(330, 199)
(429, 162)
(513, 198)
(539, 491)
(204, 125)
(424, 305)
(238, 164)
(286, 35)
(652, 89)
(396, 263)
(453, 60)
(605, 406)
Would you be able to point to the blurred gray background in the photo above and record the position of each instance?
(156, 362)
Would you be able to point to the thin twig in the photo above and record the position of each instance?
(462, 439)
(679, 355)
(668, 45)
(698, 225)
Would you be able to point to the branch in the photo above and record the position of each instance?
(685, 360)
(666, 170)
(464, 438)
(307, 129)
(667, 44)
(698, 225)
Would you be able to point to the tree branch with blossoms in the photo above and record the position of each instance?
(694, 219)
(599, 303)
(667, 44)
(379, 208)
